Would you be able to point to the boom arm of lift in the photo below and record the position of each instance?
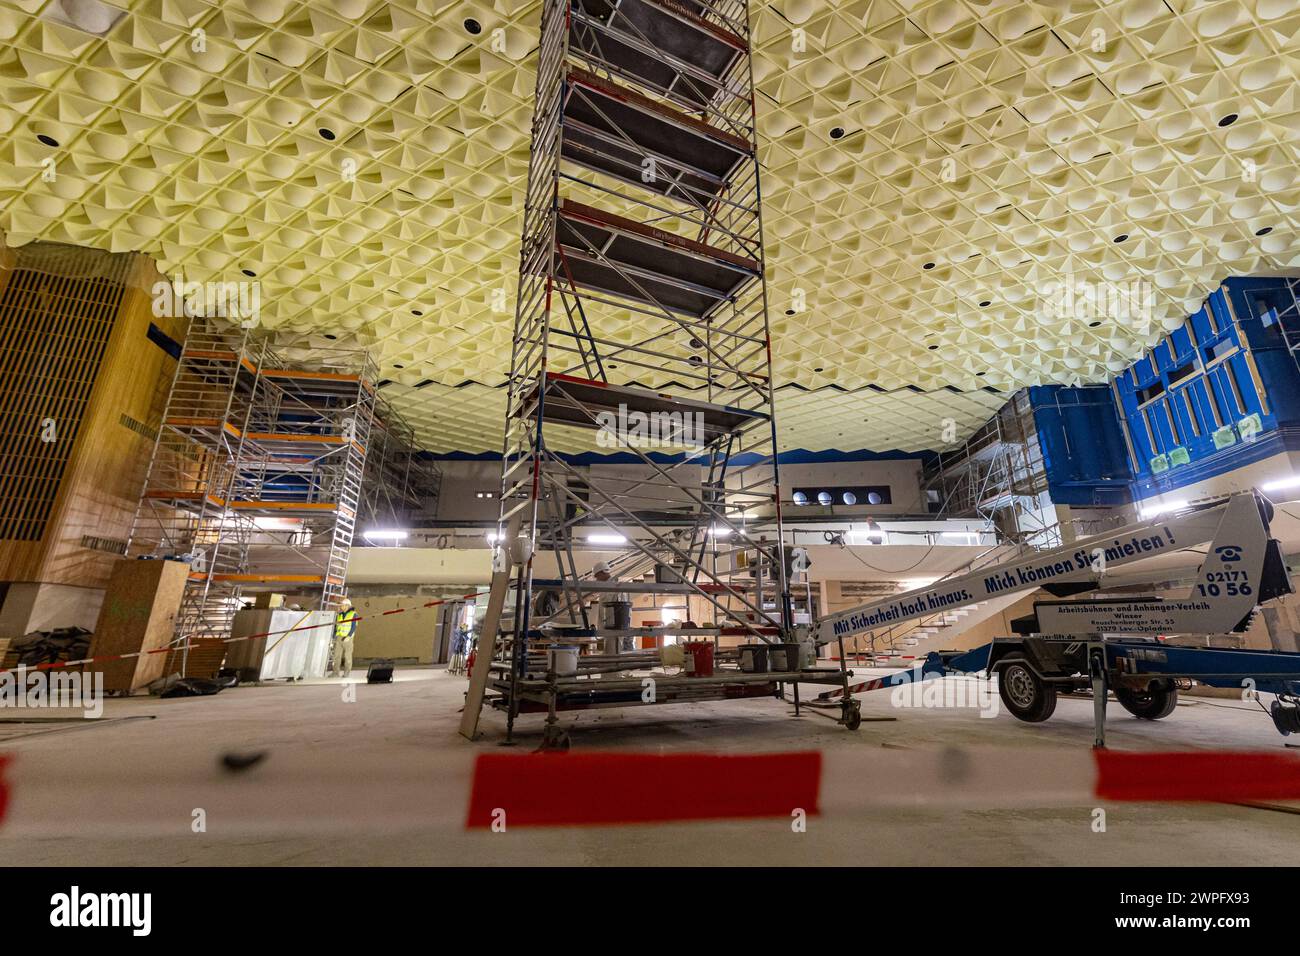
(1241, 568)
(1108, 640)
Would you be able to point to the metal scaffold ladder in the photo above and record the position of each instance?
(640, 325)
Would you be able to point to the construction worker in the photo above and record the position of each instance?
(345, 630)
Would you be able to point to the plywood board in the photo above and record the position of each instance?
(138, 614)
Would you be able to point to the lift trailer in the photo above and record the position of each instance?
(1114, 644)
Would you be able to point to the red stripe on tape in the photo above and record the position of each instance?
(1197, 776)
(608, 788)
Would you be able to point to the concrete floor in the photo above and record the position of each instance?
(384, 781)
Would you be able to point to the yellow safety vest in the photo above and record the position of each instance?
(346, 625)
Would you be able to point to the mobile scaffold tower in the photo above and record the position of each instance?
(641, 321)
(256, 474)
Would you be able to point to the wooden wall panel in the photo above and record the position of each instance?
(86, 362)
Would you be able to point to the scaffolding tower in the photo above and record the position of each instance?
(641, 323)
(256, 474)
(998, 476)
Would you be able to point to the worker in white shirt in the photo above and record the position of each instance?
(615, 612)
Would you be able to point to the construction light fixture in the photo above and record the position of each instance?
(871, 534)
(1291, 481)
(911, 584)
(717, 532)
(386, 534)
(1153, 510)
(597, 537)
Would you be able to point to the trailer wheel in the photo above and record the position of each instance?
(852, 717)
(1151, 704)
(1026, 695)
(554, 739)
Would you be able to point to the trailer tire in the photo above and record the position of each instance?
(852, 717)
(1150, 704)
(1025, 694)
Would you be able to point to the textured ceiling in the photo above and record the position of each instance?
(469, 418)
(921, 159)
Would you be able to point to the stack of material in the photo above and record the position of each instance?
(49, 647)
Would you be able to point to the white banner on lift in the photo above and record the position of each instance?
(1225, 590)
(1084, 560)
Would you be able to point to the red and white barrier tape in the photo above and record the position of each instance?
(105, 658)
(468, 790)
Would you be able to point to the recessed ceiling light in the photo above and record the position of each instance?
(47, 140)
(326, 133)
(789, 311)
(980, 374)
(695, 360)
(932, 348)
(837, 132)
(818, 369)
(473, 27)
(398, 365)
(1121, 237)
(416, 312)
(985, 304)
(1228, 120)
(1093, 325)
(1264, 232)
(249, 272)
(331, 336)
(928, 265)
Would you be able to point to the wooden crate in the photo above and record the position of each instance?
(138, 614)
(204, 660)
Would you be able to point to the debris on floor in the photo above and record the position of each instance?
(51, 647)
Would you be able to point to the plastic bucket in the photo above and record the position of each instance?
(753, 658)
(564, 661)
(699, 658)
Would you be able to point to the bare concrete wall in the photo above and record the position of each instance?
(29, 606)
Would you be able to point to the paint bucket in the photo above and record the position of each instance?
(785, 657)
(807, 655)
(753, 658)
(617, 615)
(699, 658)
(564, 661)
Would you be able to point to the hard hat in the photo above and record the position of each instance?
(601, 567)
(345, 602)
